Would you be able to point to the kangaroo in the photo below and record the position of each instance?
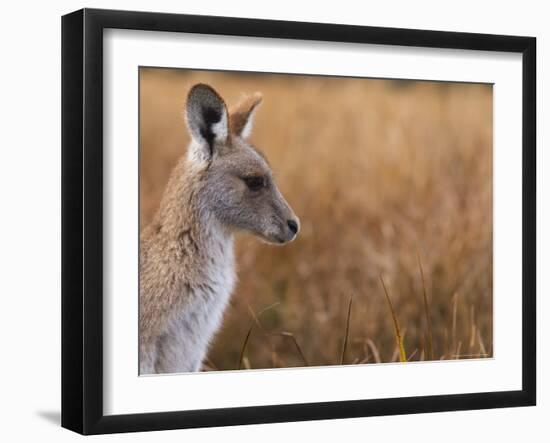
(187, 268)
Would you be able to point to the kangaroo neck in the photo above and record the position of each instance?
(197, 236)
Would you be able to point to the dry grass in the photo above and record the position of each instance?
(388, 178)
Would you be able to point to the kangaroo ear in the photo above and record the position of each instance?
(207, 118)
(242, 116)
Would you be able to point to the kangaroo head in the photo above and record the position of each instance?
(237, 185)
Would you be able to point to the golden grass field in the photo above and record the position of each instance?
(392, 181)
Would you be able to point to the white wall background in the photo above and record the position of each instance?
(30, 218)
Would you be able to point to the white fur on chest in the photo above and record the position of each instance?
(193, 324)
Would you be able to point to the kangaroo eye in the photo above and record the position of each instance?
(254, 183)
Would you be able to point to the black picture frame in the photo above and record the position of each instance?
(82, 220)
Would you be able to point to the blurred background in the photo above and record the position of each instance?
(392, 181)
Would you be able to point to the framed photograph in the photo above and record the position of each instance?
(269, 221)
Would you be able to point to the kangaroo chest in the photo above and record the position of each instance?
(208, 297)
(196, 320)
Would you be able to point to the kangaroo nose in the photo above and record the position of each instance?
(293, 226)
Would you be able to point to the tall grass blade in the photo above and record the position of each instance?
(346, 335)
(243, 348)
(398, 337)
(256, 320)
(453, 330)
(413, 354)
(482, 350)
(256, 317)
(298, 348)
(374, 351)
(430, 351)
(473, 328)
